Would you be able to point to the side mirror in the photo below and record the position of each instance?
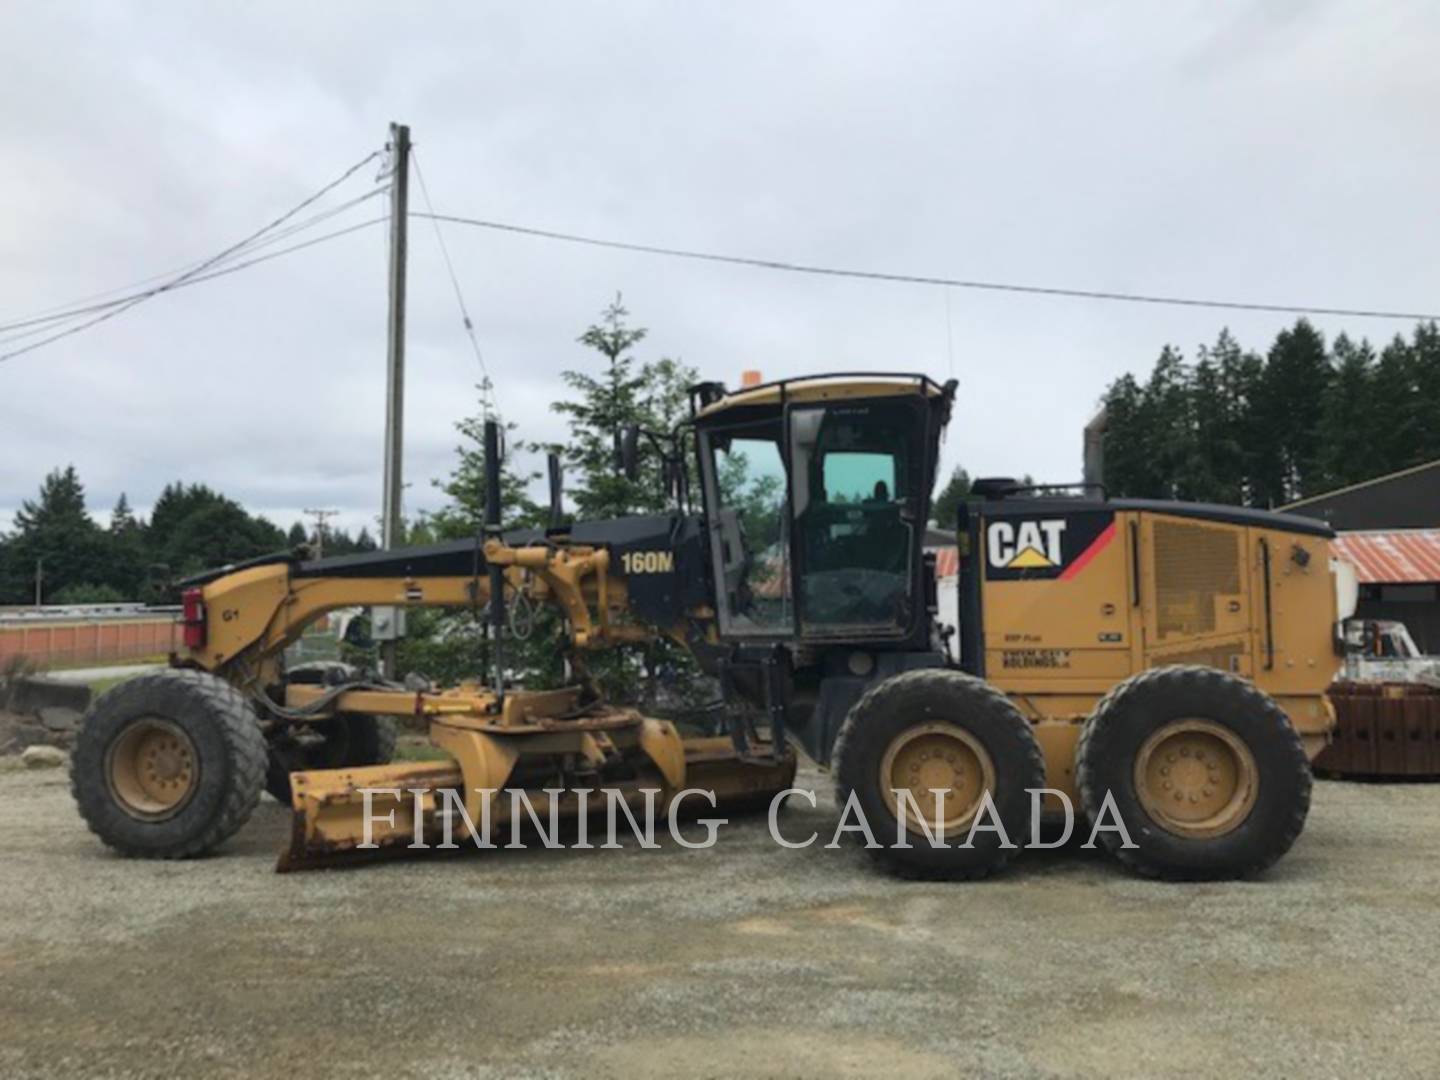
(630, 452)
(557, 480)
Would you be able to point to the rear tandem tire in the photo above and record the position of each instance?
(168, 765)
(348, 739)
(940, 728)
(1207, 774)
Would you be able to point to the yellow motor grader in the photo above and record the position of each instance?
(1162, 663)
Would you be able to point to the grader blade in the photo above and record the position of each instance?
(350, 816)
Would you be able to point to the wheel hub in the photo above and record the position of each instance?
(943, 769)
(1196, 778)
(152, 769)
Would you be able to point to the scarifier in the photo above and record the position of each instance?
(1167, 658)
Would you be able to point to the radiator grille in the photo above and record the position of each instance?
(1194, 565)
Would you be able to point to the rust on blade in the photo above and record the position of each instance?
(331, 807)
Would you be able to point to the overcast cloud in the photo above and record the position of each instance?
(1270, 151)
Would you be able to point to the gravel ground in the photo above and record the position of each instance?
(743, 960)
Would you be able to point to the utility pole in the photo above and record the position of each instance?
(390, 522)
(320, 516)
(395, 341)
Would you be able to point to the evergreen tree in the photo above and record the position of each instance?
(1167, 428)
(1127, 471)
(1235, 463)
(450, 646)
(297, 535)
(464, 514)
(1290, 415)
(126, 575)
(1424, 409)
(194, 528)
(1350, 453)
(55, 533)
(1237, 428)
(122, 518)
(624, 392)
(946, 510)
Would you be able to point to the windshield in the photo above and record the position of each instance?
(745, 476)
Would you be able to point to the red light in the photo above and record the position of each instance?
(192, 618)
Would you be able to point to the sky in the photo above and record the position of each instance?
(1274, 152)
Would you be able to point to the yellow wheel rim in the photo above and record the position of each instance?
(152, 769)
(1196, 778)
(936, 757)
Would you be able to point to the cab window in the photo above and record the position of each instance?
(855, 470)
(749, 537)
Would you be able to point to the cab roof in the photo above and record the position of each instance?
(811, 388)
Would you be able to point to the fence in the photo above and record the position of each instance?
(61, 639)
(1383, 730)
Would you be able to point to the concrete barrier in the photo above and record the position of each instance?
(32, 693)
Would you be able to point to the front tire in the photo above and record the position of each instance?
(168, 765)
(1206, 773)
(938, 728)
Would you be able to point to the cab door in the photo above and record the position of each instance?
(858, 474)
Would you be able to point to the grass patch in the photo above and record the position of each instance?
(157, 658)
(418, 748)
(99, 686)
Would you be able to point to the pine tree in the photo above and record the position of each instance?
(126, 573)
(1240, 374)
(946, 509)
(194, 528)
(1240, 429)
(1397, 423)
(464, 514)
(623, 392)
(56, 533)
(1169, 426)
(1127, 468)
(122, 518)
(1425, 410)
(1350, 453)
(297, 535)
(1297, 373)
(1200, 477)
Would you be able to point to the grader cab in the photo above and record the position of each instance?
(1162, 663)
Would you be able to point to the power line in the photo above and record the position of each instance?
(188, 275)
(44, 324)
(229, 268)
(64, 312)
(222, 272)
(487, 396)
(921, 279)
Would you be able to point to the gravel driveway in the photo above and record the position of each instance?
(743, 960)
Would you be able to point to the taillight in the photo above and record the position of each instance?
(192, 618)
